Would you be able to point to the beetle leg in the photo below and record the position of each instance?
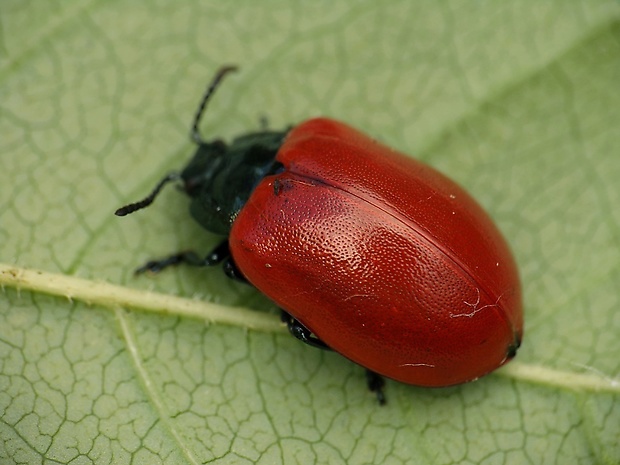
(220, 253)
(263, 123)
(155, 266)
(217, 255)
(376, 383)
(302, 333)
(231, 270)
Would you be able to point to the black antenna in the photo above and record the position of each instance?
(196, 137)
(224, 70)
(146, 201)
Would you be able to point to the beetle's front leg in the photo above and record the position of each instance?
(221, 253)
(189, 257)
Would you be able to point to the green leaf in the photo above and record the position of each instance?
(517, 101)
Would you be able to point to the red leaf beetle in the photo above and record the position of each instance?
(366, 251)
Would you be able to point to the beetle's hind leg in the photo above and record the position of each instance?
(221, 253)
(375, 381)
(299, 331)
(376, 384)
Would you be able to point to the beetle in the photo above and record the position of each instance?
(367, 251)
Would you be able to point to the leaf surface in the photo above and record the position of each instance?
(517, 101)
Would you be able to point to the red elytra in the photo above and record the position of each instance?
(384, 259)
